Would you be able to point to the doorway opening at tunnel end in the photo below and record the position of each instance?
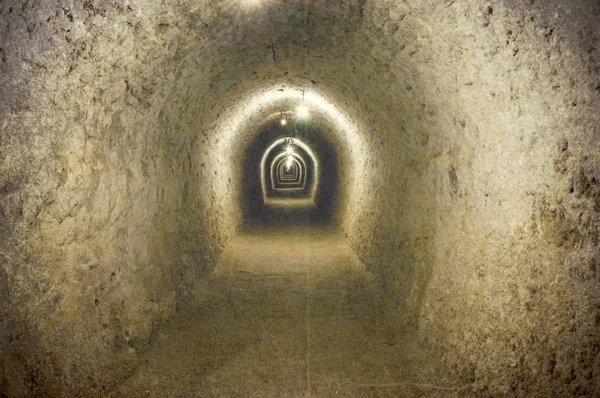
(289, 173)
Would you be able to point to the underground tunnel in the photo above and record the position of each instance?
(295, 182)
(436, 233)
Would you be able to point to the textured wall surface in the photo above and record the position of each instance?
(468, 141)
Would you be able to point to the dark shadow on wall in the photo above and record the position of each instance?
(287, 213)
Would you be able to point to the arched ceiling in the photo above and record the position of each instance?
(467, 134)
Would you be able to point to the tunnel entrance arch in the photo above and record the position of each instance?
(281, 159)
(288, 172)
(315, 179)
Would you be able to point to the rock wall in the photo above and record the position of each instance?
(486, 232)
(467, 133)
(106, 221)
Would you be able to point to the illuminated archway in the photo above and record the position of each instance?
(281, 159)
(284, 161)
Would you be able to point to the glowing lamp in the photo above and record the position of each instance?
(302, 112)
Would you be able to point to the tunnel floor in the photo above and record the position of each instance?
(287, 313)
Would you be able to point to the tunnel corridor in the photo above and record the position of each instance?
(265, 198)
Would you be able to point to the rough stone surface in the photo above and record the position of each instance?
(288, 312)
(469, 161)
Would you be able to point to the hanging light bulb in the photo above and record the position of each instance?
(302, 112)
(289, 150)
(283, 122)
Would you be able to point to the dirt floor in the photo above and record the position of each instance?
(287, 313)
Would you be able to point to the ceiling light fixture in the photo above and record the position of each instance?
(302, 112)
